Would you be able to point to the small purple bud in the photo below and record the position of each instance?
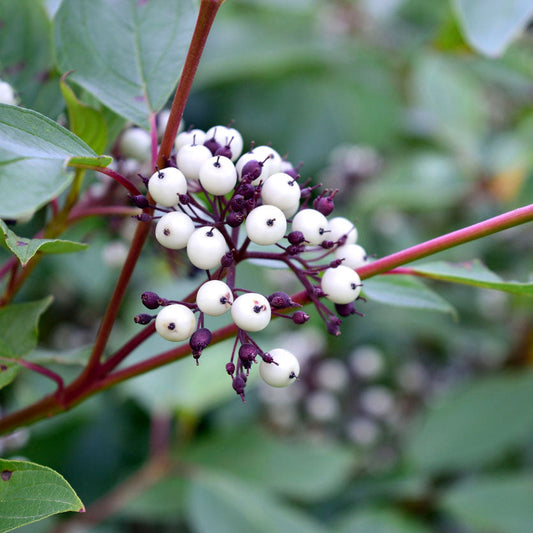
(224, 151)
(247, 190)
(267, 358)
(150, 300)
(230, 368)
(212, 145)
(300, 317)
(334, 326)
(324, 204)
(238, 202)
(295, 249)
(235, 219)
(296, 237)
(143, 319)
(251, 170)
(280, 300)
(143, 217)
(184, 199)
(335, 263)
(345, 309)
(139, 200)
(247, 352)
(200, 339)
(238, 385)
(227, 259)
(327, 245)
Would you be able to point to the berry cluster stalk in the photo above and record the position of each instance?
(106, 378)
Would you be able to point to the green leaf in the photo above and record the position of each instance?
(26, 55)
(27, 184)
(490, 27)
(495, 503)
(225, 505)
(134, 68)
(27, 133)
(378, 521)
(404, 291)
(25, 249)
(18, 327)
(296, 468)
(475, 425)
(84, 121)
(473, 273)
(30, 492)
(8, 372)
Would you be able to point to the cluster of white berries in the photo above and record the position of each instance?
(212, 194)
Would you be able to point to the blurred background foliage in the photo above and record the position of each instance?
(413, 420)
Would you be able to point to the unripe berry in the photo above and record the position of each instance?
(280, 300)
(173, 230)
(340, 227)
(175, 322)
(247, 352)
(265, 225)
(341, 285)
(143, 319)
(217, 175)
(299, 317)
(251, 312)
(313, 225)
(283, 371)
(296, 237)
(206, 247)
(214, 298)
(166, 185)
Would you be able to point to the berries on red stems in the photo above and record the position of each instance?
(214, 298)
(206, 247)
(166, 185)
(190, 158)
(339, 228)
(173, 230)
(217, 175)
(283, 371)
(175, 322)
(341, 285)
(265, 225)
(313, 225)
(251, 312)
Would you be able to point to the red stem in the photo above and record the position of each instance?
(126, 183)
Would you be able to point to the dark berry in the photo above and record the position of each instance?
(247, 352)
(230, 368)
(238, 203)
(300, 317)
(139, 200)
(234, 219)
(251, 170)
(345, 309)
(212, 144)
(280, 300)
(296, 237)
(200, 339)
(150, 300)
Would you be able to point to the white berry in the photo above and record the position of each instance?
(214, 298)
(280, 190)
(340, 226)
(166, 185)
(194, 136)
(266, 225)
(234, 139)
(205, 248)
(353, 255)
(271, 158)
(218, 175)
(283, 371)
(190, 158)
(313, 224)
(7, 94)
(173, 230)
(136, 143)
(175, 322)
(251, 312)
(341, 285)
